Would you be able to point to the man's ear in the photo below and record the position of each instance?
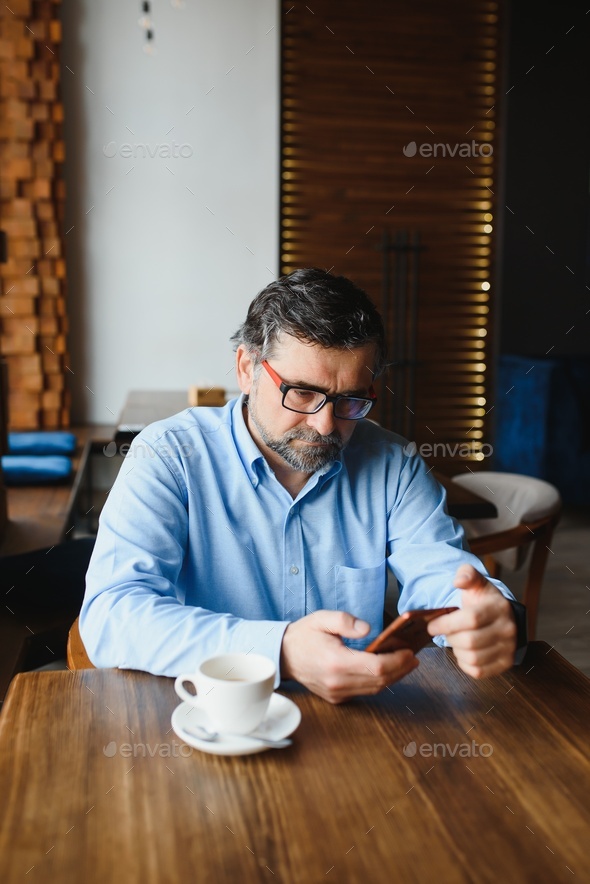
(244, 369)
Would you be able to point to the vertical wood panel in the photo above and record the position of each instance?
(360, 82)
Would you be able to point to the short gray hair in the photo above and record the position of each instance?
(317, 308)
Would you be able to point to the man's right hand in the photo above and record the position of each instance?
(314, 655)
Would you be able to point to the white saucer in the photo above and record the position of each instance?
(281, 719)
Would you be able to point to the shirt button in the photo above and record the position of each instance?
(294, 569)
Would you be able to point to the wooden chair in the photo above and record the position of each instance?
(528, 511)
(76, 652)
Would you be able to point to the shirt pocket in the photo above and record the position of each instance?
(361, 592)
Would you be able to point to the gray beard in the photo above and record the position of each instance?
(304, 459)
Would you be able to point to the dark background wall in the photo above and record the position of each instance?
(547, 168)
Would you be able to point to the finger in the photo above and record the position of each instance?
(475, 639)
(367, 674)
(483, 656)
(392, 665)
(497, 667)
(349, 690)
(342, 623)
(467, 577)
(361, 668)
(464, 619)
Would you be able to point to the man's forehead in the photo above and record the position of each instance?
(310, 351)
(309, 364)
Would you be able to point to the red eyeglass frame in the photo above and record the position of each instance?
(284, 388)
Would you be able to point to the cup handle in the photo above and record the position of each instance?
(182, 691)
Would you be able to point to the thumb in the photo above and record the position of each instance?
(342, 623)
(467, 577)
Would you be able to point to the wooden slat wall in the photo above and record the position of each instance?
(32, 283)
(359, 82)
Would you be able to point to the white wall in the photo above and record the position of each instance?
(156, 280)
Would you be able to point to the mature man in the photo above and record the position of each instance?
(268, 525)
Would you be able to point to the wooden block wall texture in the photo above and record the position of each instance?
(33, 318)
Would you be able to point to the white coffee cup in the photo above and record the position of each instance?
(233, 689)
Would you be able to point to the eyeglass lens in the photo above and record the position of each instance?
(308, 401)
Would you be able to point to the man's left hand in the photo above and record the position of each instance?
(482, 632)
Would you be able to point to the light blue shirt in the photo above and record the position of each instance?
(201, 550)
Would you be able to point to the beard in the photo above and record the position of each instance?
(302, 458)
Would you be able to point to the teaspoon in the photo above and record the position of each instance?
(202, 733)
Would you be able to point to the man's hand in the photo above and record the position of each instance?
(483, 632)
(313, 653)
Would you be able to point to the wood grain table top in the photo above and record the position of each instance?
(493, 785)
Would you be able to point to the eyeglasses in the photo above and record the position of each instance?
(348, 408)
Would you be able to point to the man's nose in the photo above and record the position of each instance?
(323, 421)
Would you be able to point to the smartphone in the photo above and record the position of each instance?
(407, 631)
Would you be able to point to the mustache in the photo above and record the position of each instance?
(307, 434)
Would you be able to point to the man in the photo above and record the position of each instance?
(268, 525)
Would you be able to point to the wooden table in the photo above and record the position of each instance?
(143, 407)
(343, 804)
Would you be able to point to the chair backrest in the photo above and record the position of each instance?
(520, 500)
(528, 511)
(76, 652)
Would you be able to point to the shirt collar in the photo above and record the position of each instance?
(251, 455)
(248, 450)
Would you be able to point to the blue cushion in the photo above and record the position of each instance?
(50, 442)
(29, 470)
(523, 403)
(543, 422)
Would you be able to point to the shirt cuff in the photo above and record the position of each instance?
(519, 612)
(261, 637)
